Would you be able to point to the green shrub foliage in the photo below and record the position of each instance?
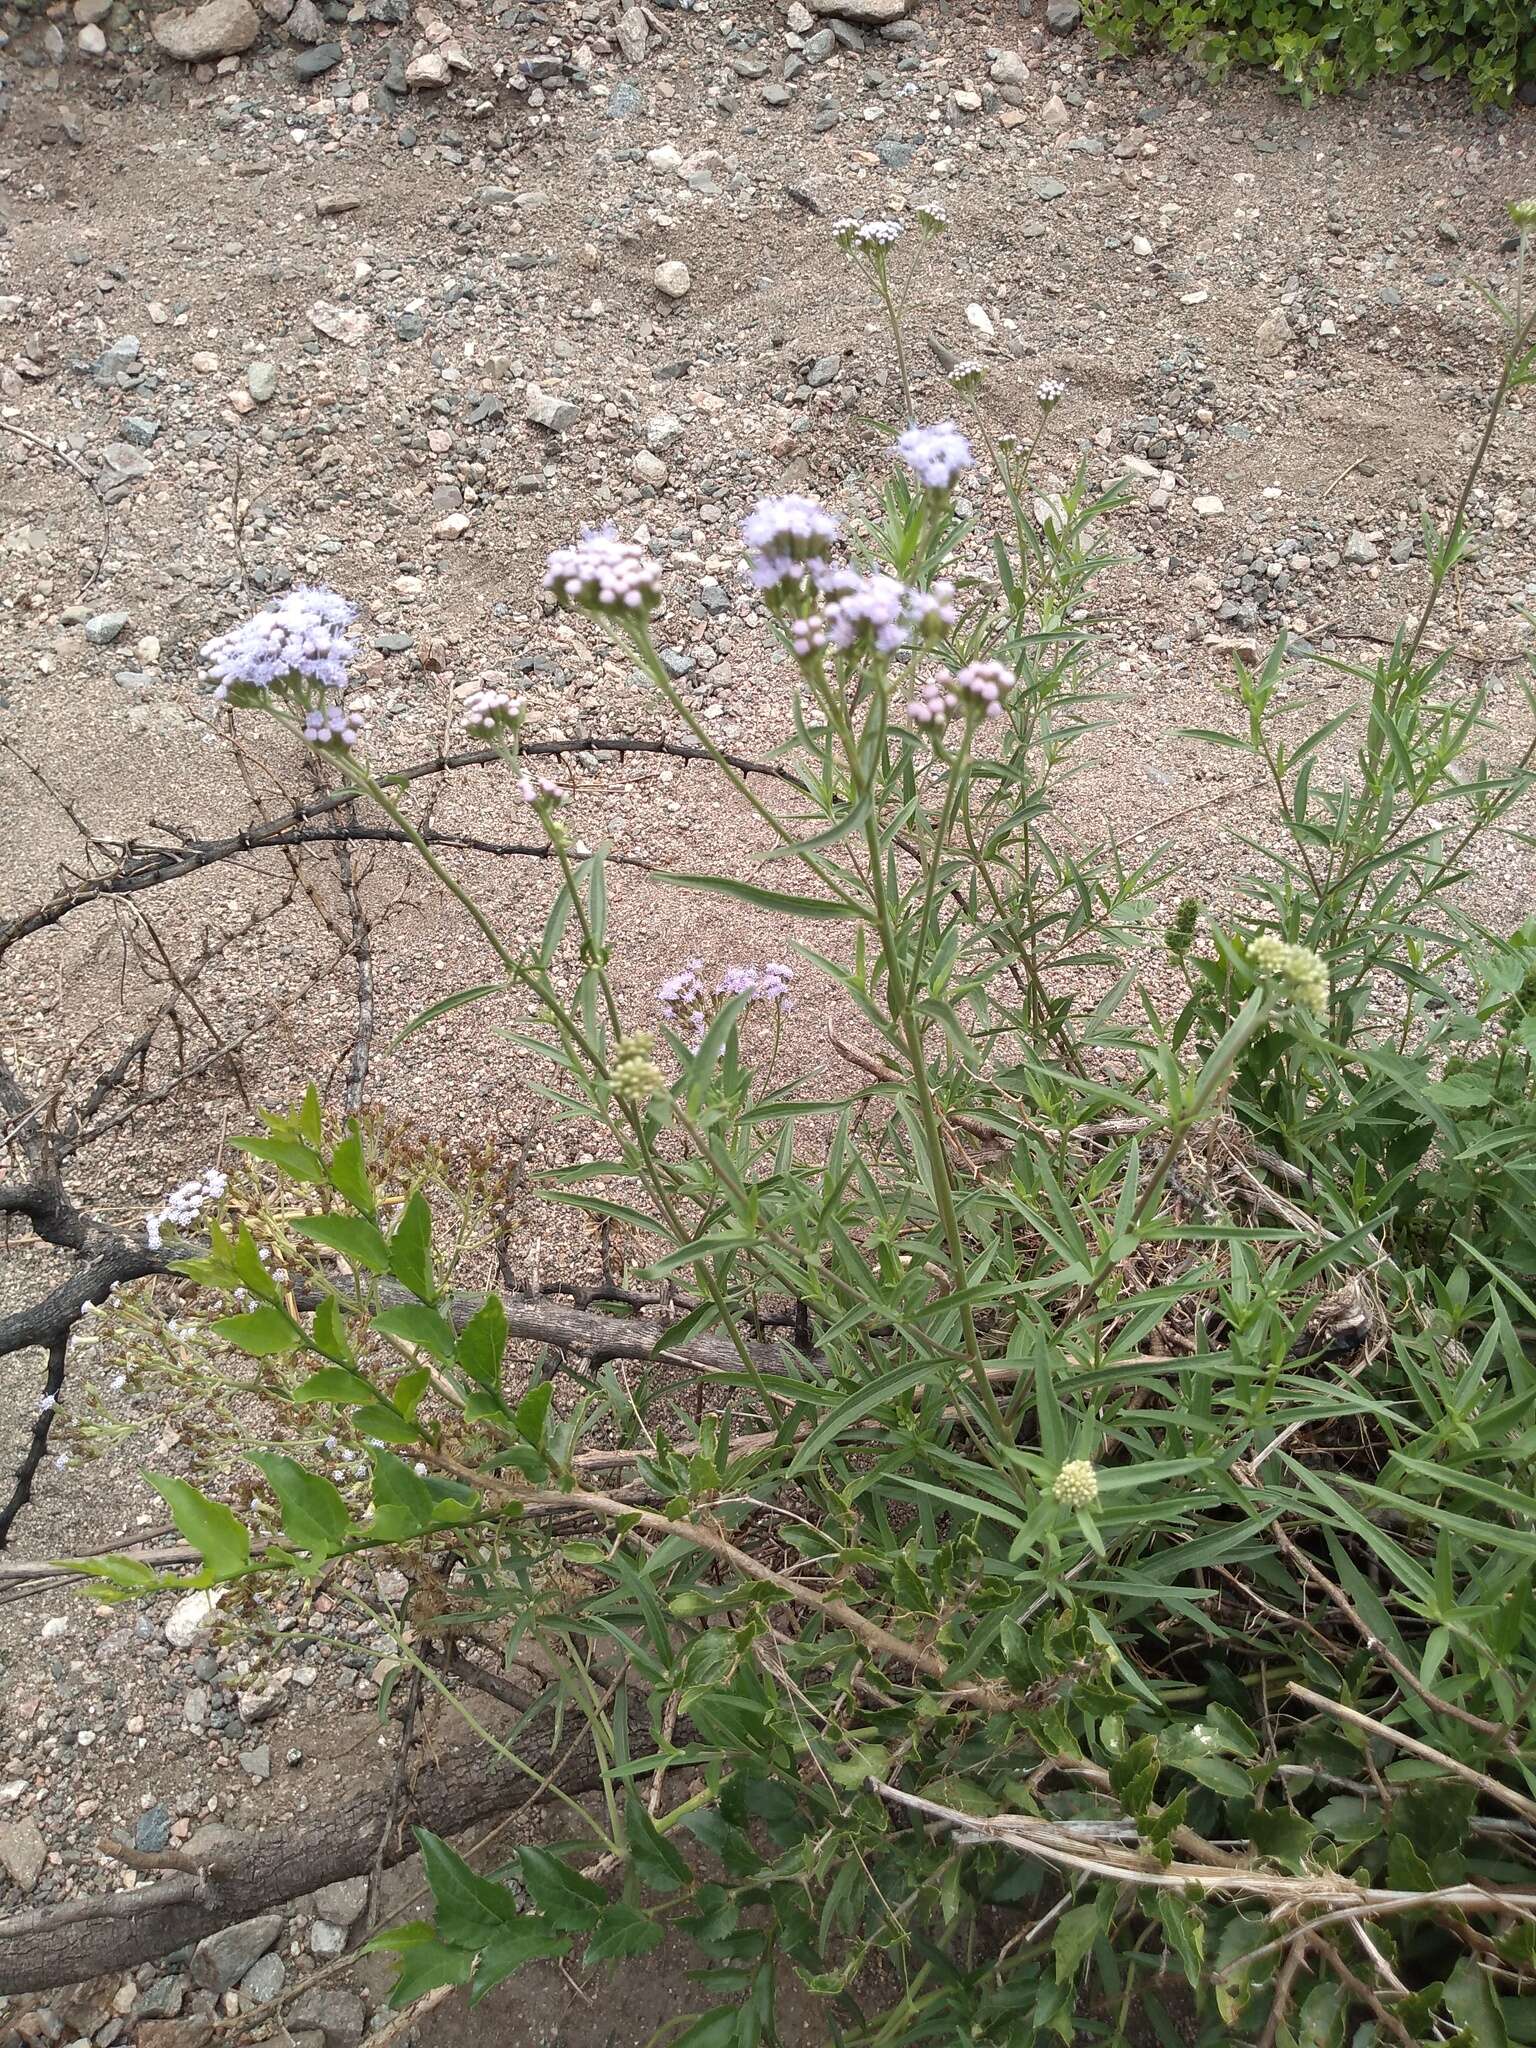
(1335, 45)
(1062, 1568)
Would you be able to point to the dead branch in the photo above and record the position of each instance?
(240, 1875)
(150, 866)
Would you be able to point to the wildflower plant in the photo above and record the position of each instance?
(1070, 1573)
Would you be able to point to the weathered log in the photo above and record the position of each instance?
(240, 1875)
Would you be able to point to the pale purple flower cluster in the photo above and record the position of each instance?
(300, 635)
(1052, 391)
(784, 536)
(880, 613)
(332, 725)
(868, 237)
(688, 1003)
(488, 711)
(183, 1206)
(539, 791)
(603, 573)
(966, 375)
(936, 455)
(978, 688)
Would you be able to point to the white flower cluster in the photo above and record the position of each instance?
(183, 1206)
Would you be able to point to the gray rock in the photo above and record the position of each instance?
(152, 1829)
(661, 430)
(122, 463)
(1048, 189)
(631, 32)
(1063, 16)
(545, 410)
(338, 2015)
(326, 1939)
(344, 1901)
(219, 28)
(673, 278)
(316, 62)
(101, 631)
(257, 1763)
(306, 24)
(161, 2000)
(1008, 68)
(139, 431)
(819, 47)
(222, 1959)
(625, 100)
(122, 355)
(1273, 334)
(775, 95)
(1359, 548)
(261, 382)
(649, 468)
(872, 13)
(825, 370)
(23, 1852)
(262, 1981)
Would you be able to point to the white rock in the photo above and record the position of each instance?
(799, 20)
(192, 1616)
(673, 279)
(205, 362)
(219, 28)
(1272, 336)
(428, 71)
(338, 323)
(661, 430)
(872, 13)
(92, 42)
(1008, 68)
(55, 1626)
(454, 526)
(11, 1791)
(1141, 246)
(1055, 115)
(979, 318)
(667, 158)
(649, 468)
(1209, 507)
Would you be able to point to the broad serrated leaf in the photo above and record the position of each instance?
(212, 1529)
(410, 1248)
(259, 1332)
(315, 1517)
(360, 1242)
(565, 1898)
(483, 1343)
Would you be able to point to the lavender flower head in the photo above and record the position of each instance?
(966, 375)
(183, 1206)
(937, 455)
(783, 536)
(1051, 392)
(332, 725)
(868, 237)
(602, 573)
(977, 691)
(871, 612)
(299, 637)
(540, 792)
(690, 1005)
(488, 711)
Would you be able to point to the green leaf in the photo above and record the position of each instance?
(1471, 2001)
(402, 1499)
(471, 1910)
(260, 1333)
(1076, 1932)
(483, 1343)
(655, 1862)
(348, 1173)
(315, 1517)
(562, 1895)
(405, 1397)
(445, 1004)
(337, 1385)
(529, 1942)
(1283, 1836)
(415, 1323)
(531, 1416)
(622, 1932)
(211, 1529)
(360, 1242)
(254, 1277)
(297, 1161)
(410, 1249)
(826, 909)
(329, 1333)
(715, 2029)
(427, 1966)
